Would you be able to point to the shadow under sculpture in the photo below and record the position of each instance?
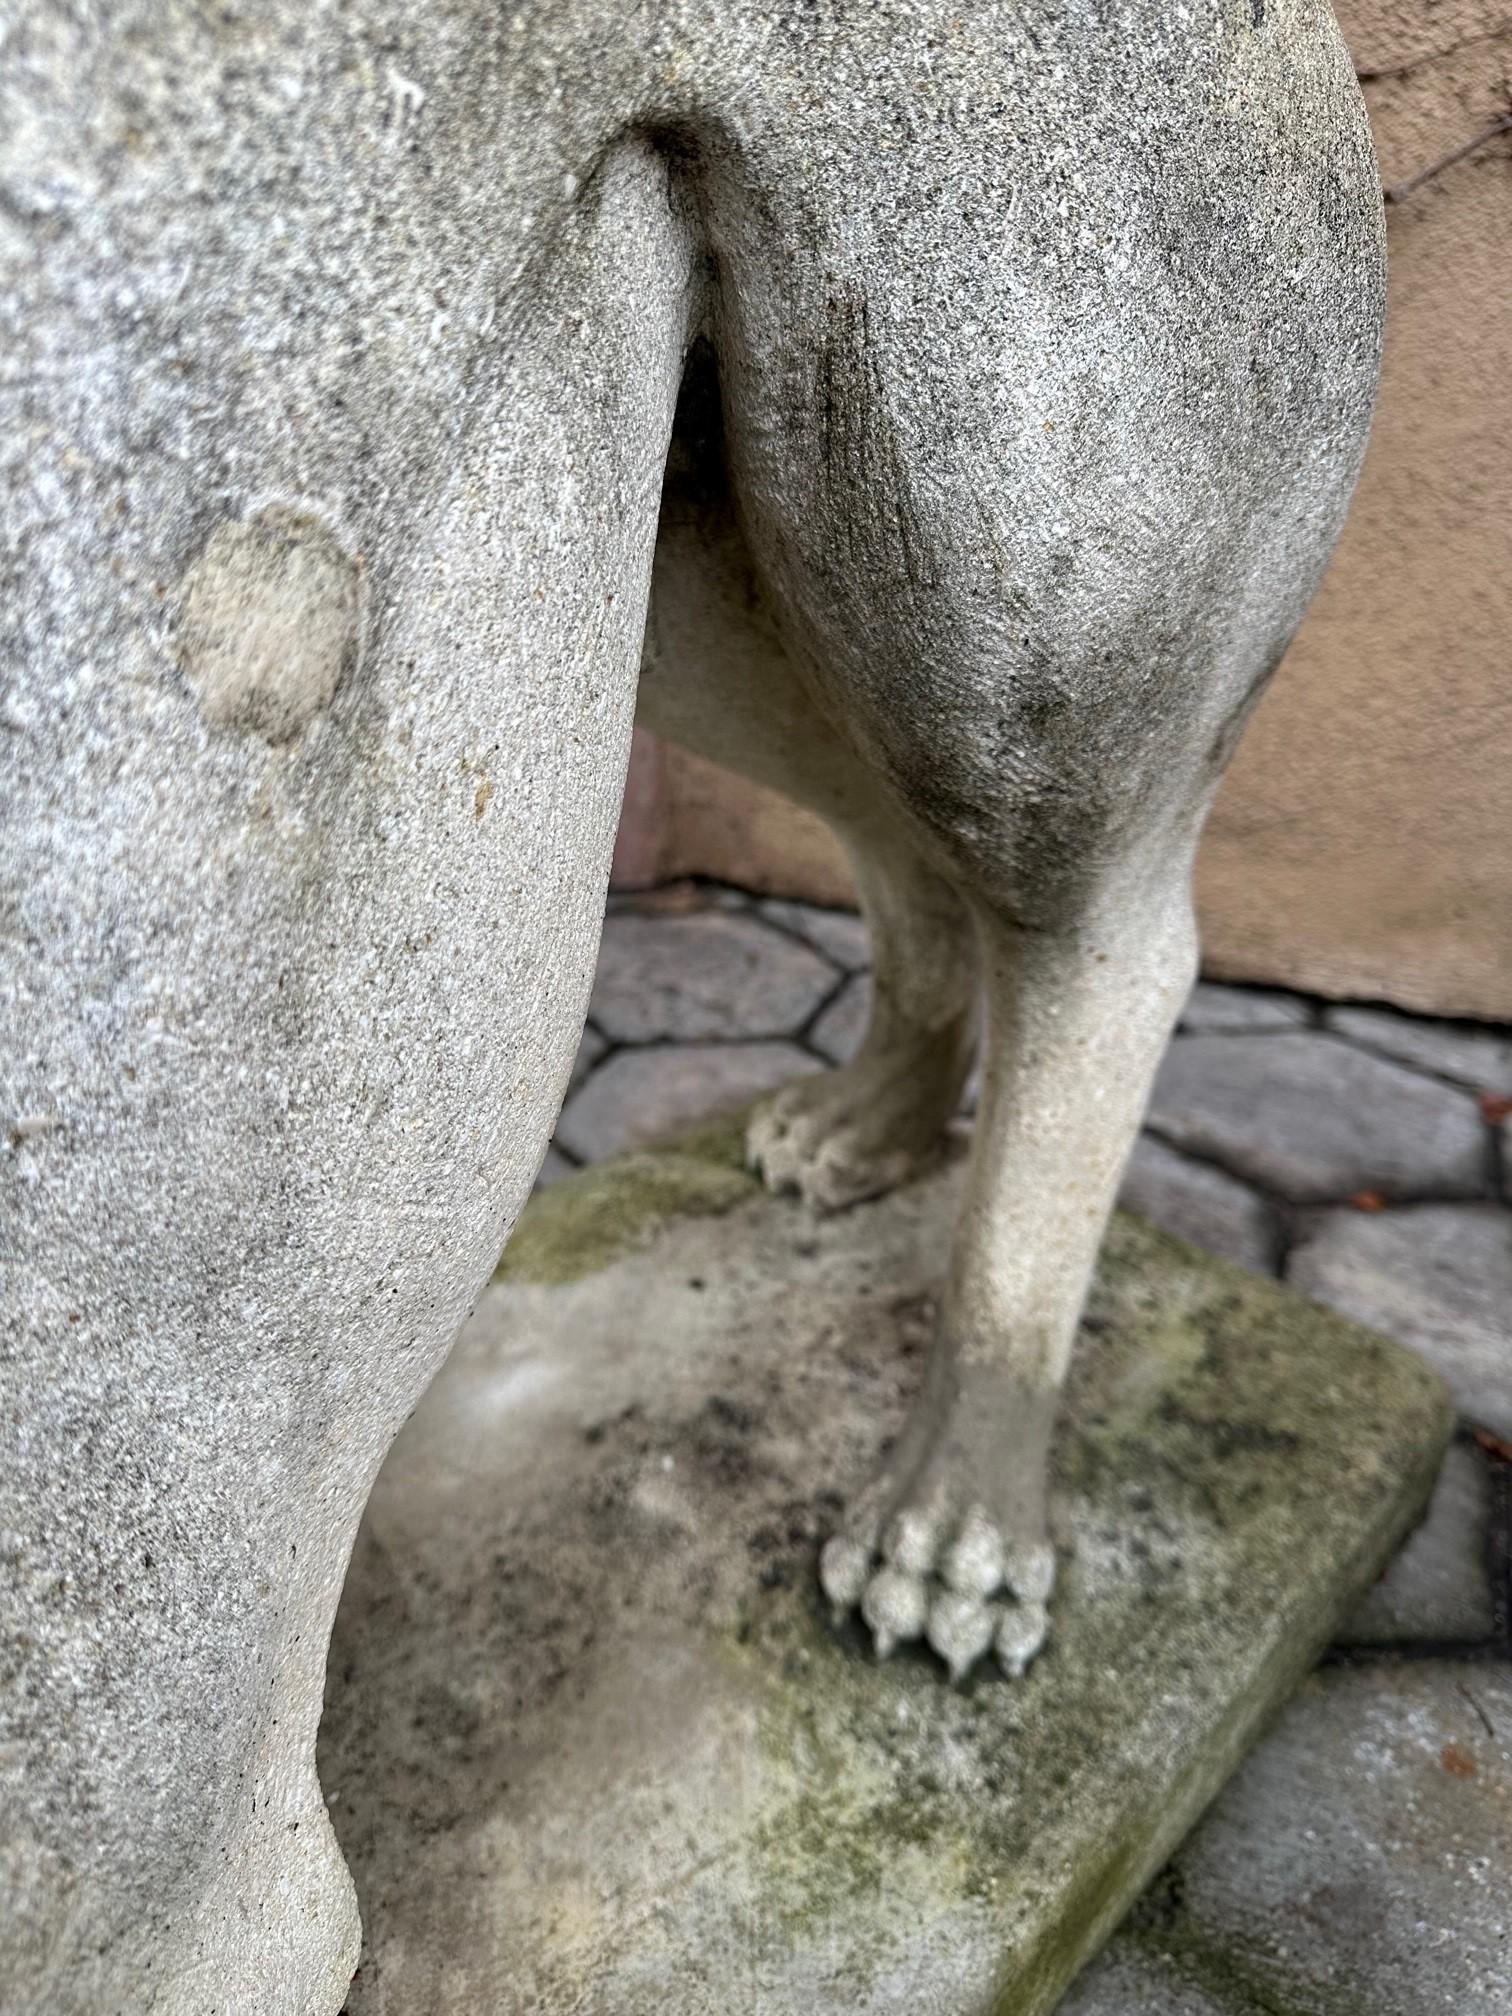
(955, 410)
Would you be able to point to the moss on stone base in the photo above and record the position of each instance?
(608, 1510)
(581, 1224)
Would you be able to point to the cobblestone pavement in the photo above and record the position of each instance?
(1362, 1859)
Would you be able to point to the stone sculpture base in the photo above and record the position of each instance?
(591, 1747)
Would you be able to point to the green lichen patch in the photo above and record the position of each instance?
(1234, 1464)
(583, 1223)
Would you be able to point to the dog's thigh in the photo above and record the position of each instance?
(309, 804)
(1040, 469)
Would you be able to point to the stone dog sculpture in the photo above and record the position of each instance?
(972, 393)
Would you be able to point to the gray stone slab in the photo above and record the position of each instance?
(838, 1032)
(1195, 1201)
(638, 1096)
(1435, 1276)
(1213, 1010)
(1437, 1587)
(840, 935)
(1356, 1866)
(1128, 1980)
(713, 973)
(591, 1747)
(1475, 1055)
(1317, 1120)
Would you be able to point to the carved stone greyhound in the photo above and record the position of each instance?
(1025, 355)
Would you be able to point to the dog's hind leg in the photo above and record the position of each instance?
(717, 677)
(861, 1129)
(1039, 502)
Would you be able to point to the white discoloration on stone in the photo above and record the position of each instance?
(268, 622)
(1029, 1572)
(911, 1541)
(845, 1567)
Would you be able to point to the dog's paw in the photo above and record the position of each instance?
(950, 1542)
(957, 1582)
(842, 1136)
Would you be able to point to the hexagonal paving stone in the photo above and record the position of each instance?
(838, 1032)
(1317, 1120)
(591, 1047)
(1435, 1276)
(1212, 1010)
(642, 1095)
(1474, 1055)
(1358, 1862)
(712, 973)
(839, 934)
(1130, 1981)
(1437, 1587)
(1197, 1202)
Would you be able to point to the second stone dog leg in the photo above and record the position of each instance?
(957, 1526)
(856, 1131)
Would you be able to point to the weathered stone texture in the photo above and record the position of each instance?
(591, 1747)
(1356, 1866)
(1197, 1202)
(1439, 1277)
(1313, 1118)
(708, 975)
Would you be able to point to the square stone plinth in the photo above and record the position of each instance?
(593, 1749)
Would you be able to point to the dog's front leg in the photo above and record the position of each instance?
(953, 1543)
